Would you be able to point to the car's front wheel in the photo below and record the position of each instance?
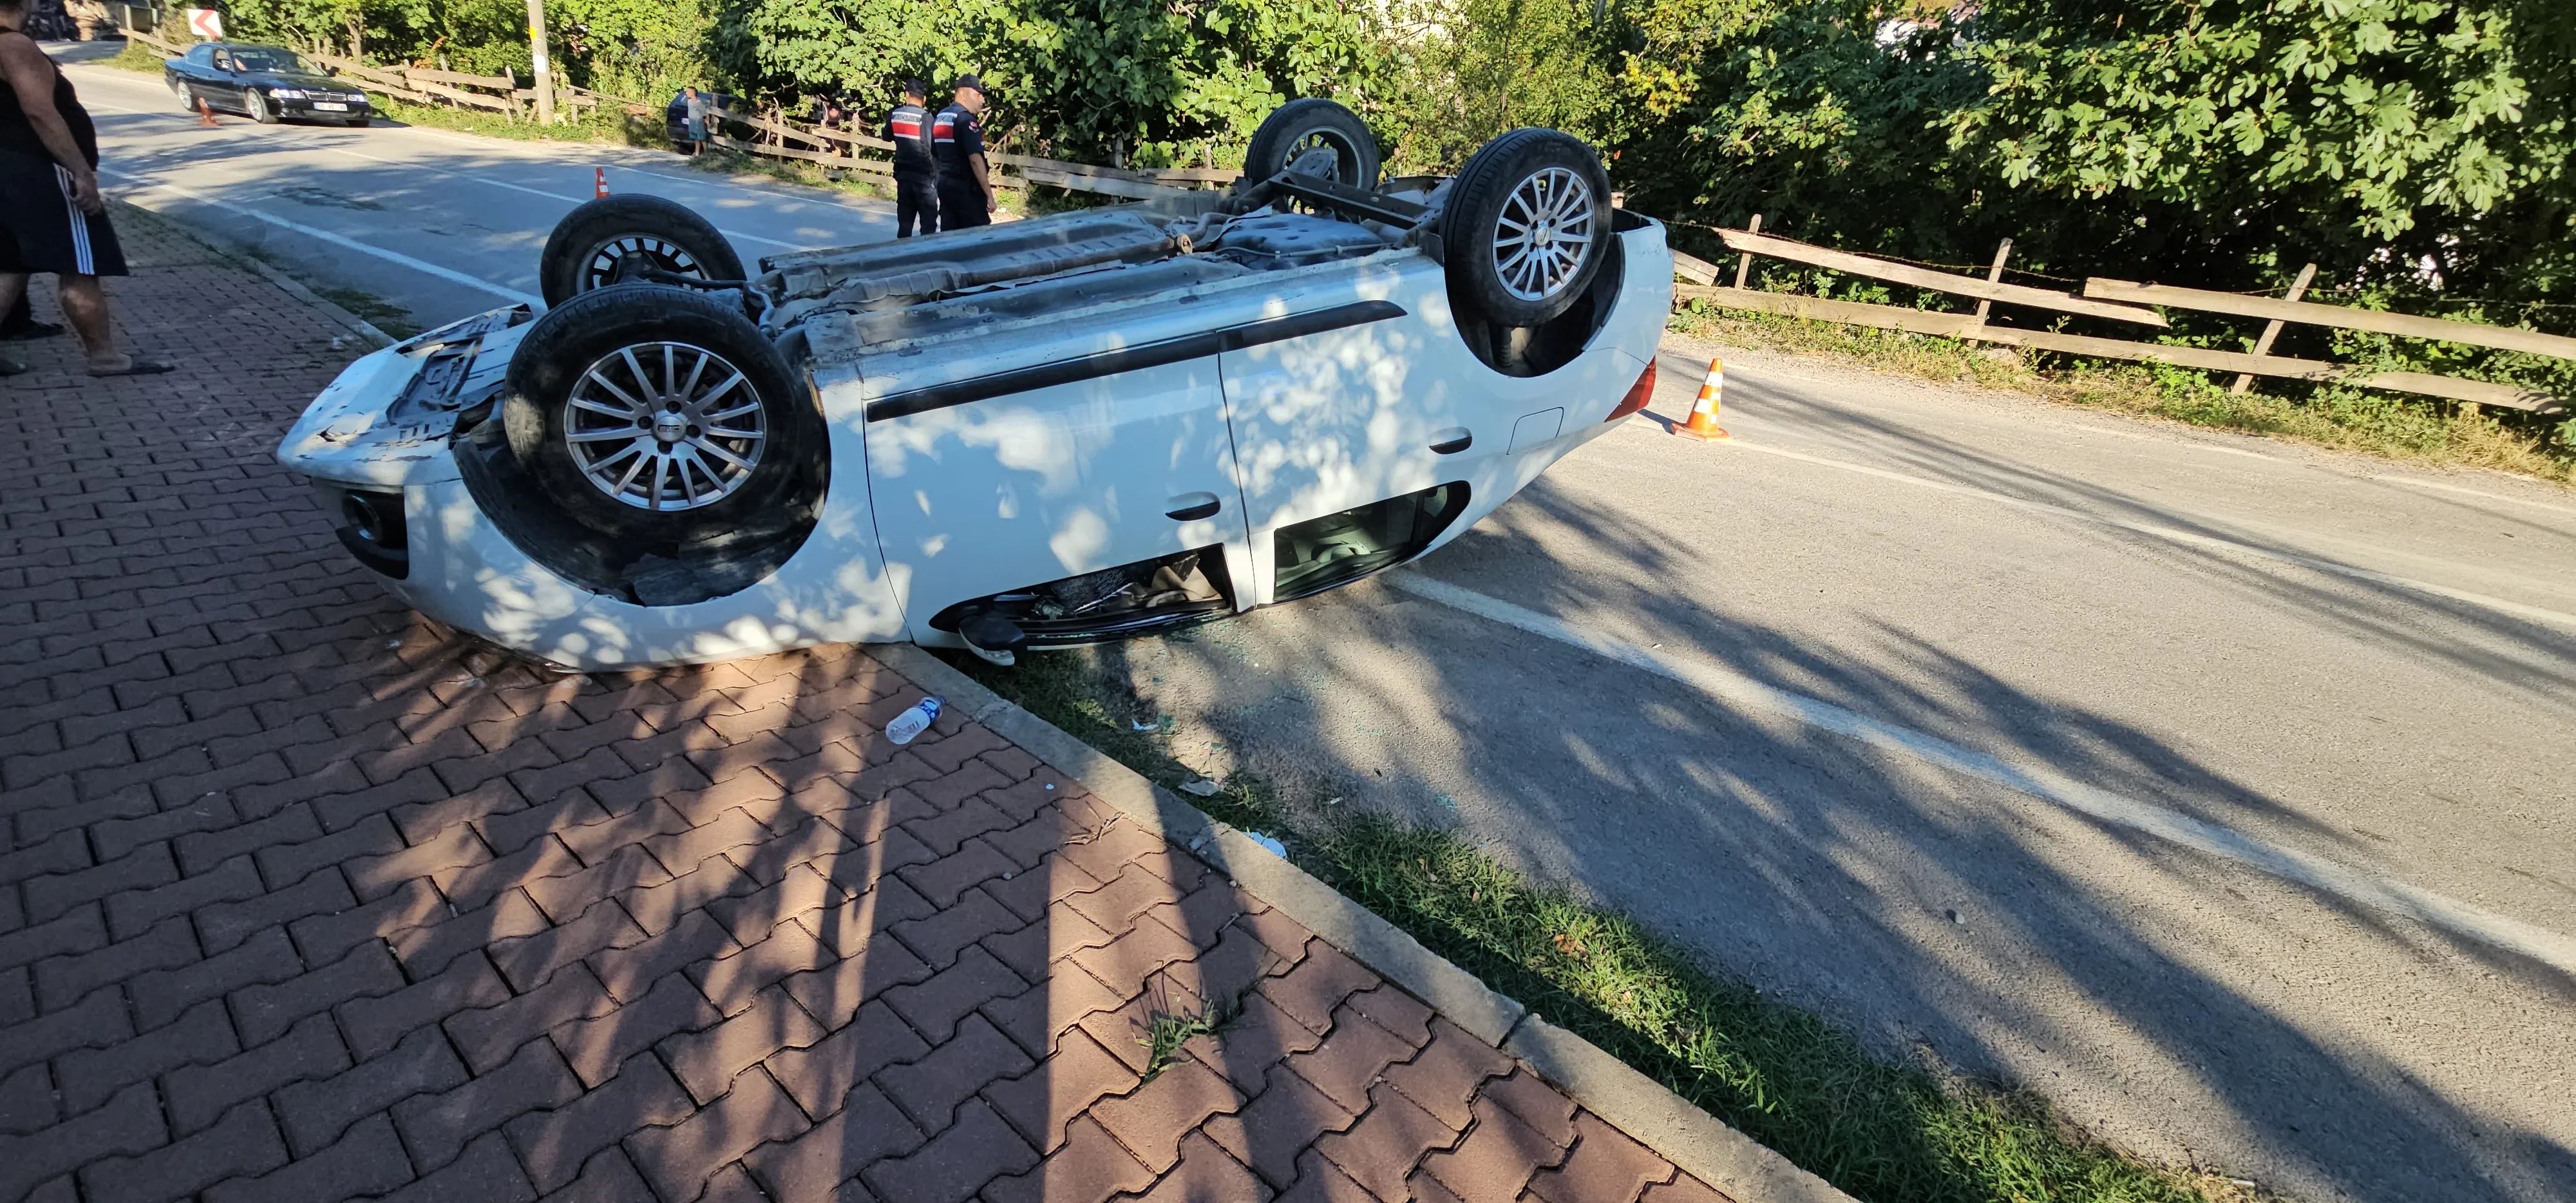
(659, 415)
(256, 104)
(616, 239)
(1527, 227)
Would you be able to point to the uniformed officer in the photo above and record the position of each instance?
(957, 142)
(916, 173)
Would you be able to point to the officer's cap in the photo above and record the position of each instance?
(968, 80)
(914, 87)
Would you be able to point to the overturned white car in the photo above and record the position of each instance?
(1036, 434)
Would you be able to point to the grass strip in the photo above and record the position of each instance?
(2340, 417)
(1888, 1133)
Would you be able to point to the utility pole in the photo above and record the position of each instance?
(545, 69)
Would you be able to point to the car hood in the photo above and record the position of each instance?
(296, 79)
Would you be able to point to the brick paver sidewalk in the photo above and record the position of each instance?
(303, 898)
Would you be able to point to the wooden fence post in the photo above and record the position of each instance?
(1994, 275)
(2272, 329)
(1744, 262)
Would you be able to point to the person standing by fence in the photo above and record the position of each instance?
(957, 142)
(52, 218)
(916, 173)
(693, 118)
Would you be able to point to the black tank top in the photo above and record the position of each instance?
(19, 134)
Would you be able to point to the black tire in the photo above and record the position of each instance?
(601, 242)
(782, 467)
(256, 106)
(1554, 183)
(1299, 125)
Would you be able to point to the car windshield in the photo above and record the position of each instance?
(264, 58)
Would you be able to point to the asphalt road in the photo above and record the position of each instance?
(441, 224)
(2218, 789)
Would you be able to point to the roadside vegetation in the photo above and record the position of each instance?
(2346, 419)
(1887, 1133)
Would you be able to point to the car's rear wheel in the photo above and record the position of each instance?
(616, 239)
(1298, 127)
(659, 415)
(1527, 227)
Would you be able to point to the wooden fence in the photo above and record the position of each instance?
(804, 142)
(2120, 300)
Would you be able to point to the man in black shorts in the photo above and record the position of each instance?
(52, 218)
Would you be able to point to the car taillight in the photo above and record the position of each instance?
(1638, 394)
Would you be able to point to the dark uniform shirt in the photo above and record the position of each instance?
(955, 135)
(908, 127)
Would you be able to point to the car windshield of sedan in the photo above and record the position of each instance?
(263, 58)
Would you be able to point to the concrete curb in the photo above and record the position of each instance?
(1681, 1133)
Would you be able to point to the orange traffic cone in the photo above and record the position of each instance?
(205, 116)
(1703, 415)
(599, 185)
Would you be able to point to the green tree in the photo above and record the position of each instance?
(1474, 69)
(2369, 134)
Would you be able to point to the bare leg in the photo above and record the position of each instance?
(85, 304)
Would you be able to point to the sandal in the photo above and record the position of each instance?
(11, 367)
(138, 366)
(32, 331)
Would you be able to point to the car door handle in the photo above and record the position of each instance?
(1452, 446)
(1190, 507)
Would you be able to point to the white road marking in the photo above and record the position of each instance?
(2187, 538)
(2037, 781)
(419, 265)
(561, 196)
(567, 197)
(2411, 482)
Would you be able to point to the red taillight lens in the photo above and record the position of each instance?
(1638, 394)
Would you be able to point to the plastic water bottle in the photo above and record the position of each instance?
(909, 725)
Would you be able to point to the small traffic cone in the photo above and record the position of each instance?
(599, 183)
(1703, 415)
(205, 116)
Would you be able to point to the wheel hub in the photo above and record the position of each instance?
(628, 257)
(1543, 234)
(664, 426)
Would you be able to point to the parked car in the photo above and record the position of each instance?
(264, 83)
(1035, 434)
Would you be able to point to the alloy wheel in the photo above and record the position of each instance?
(664, 426)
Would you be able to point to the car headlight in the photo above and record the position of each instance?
(286, 93)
